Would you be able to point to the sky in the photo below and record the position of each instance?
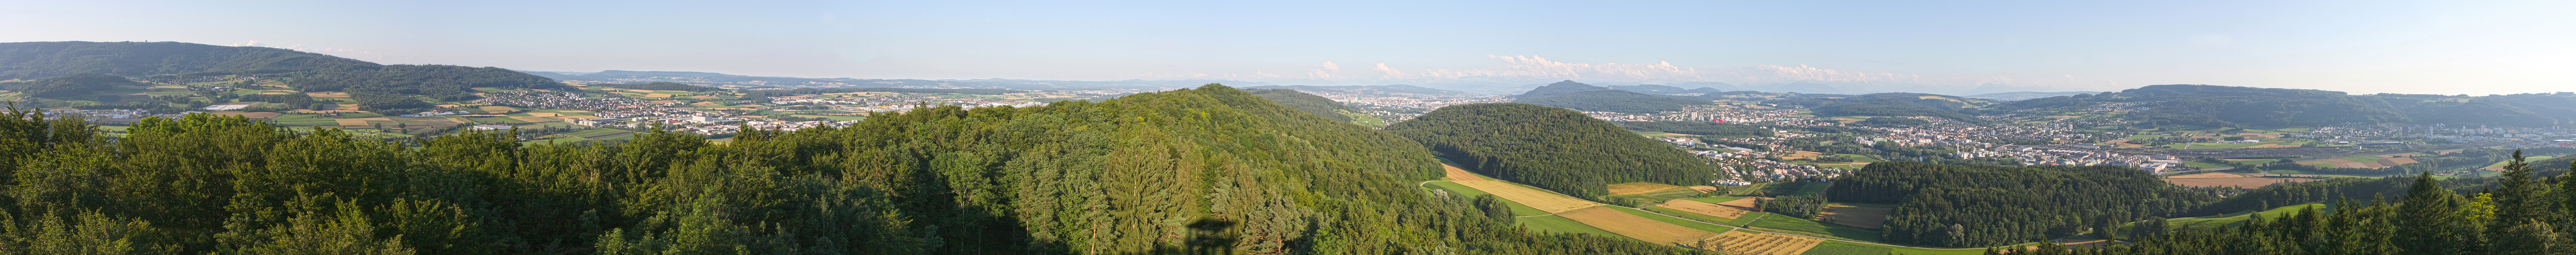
(2420, 47)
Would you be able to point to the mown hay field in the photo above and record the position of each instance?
(1456, 174)
(1632, 226)
(1703, 208)
(1532, 197)
(1638, 188)
(1745, 243)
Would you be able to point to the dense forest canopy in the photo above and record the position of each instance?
(34, 60)
(2521, 212)
(1208, 170)
(1320, 106)
(1978, 206)
(1551, 148)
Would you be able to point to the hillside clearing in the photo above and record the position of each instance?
(1631, 226)
(1532, 197)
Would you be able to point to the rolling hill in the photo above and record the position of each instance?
(1551, 148)
(1585, 97)
(308, 72)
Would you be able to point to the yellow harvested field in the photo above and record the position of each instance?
(544, 114)
(1638, 188)
(658, 95)
(1456, 174)
(1747, 203)
(460, 120)
(579, 117)
(1534, 198)
(499, 109)
(1704, 188)
(327, 94)
(1742, 243)
(359, 121)
(532, 119)
(274, 93)
(1703, 208)
(1631, 226)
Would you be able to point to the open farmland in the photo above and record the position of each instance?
(1858, 217)
(2236, 180)
(1709, 209)
(1456, 174)
(1631, 226)
(1638, 188)
(1746, 243)
(1532, 197)
(2371, 162)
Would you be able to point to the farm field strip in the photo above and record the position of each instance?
(1534, 198)
(1635, 227)
(1741, 243)
(1704, 208)
(1634, 188)
(1456, 174)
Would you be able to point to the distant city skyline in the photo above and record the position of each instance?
(2445, 47)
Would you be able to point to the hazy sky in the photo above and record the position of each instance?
(2444, 47)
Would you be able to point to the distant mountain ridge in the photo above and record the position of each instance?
(2227, 106)
(1585, 97)
(1397, 90)
(709, 78)
(311, 72)
(2026, 95)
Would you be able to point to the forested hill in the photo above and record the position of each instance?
(311, 72)
(1977, 206)
(1210, 170)
(1585, 97)
(1320, 106)
(1551, 148)
(2225, 106)
(73, 87)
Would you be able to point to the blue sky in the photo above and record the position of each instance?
(2440, 47)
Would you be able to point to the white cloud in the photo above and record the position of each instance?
(1391, 73)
